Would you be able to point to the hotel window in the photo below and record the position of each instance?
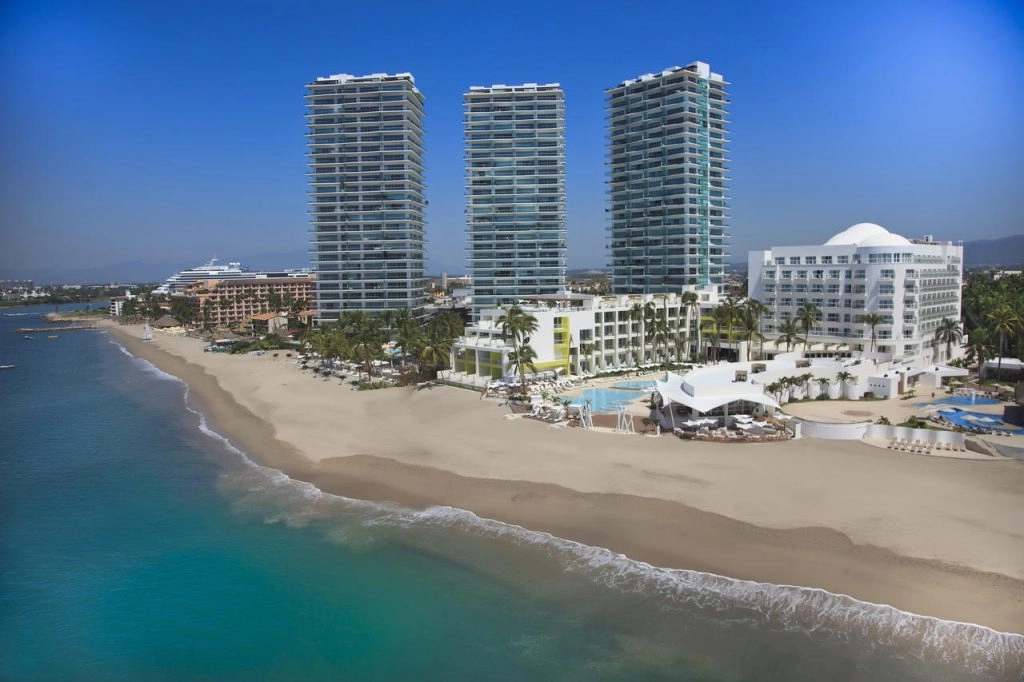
(786, 301)
(861, 274)
(843, 260)
(833, 303)
(801, 288)
(794, 260)
(801, 274)
(832, 317)
(787, 274)
(888, 274)
(810, 260)
(818, 274)
(826, 260)
(833, 288)
(780, 261)
(834, 274)
(833, 331)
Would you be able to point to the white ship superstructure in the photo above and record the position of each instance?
(215, 270)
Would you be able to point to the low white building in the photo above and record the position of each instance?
(117, 302)
(912, 284)
(584, 334)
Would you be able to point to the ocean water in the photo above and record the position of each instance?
(138, 544)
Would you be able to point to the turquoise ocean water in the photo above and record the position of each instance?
(137, 544)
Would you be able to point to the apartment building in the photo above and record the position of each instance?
(515, 186)
(365, 136)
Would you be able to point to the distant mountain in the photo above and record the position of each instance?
(994, 252)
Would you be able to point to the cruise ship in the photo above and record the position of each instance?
(215, 270)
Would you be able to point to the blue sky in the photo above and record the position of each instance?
(174, 131)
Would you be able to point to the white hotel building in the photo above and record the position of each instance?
(912, 284)
(580, 334)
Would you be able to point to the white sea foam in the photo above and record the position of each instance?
(970, 647)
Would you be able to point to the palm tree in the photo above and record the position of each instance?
(823, 383)
(948, 332)
(1004, 320)
(980, 345)
(789, 333)
(408, 334)
(661, 333)
(757, 310)
(731, 312)
(434, 349)
(872, 320)
(807, 315)
(650, 320)
(844, 378)
(750, 326)
(517, 325)
(636, 314)
(521, 361)
(691, 301)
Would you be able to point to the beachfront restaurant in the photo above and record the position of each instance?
(678, 400)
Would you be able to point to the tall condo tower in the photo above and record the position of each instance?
(515, 181)
(366, 192)
(667, 175)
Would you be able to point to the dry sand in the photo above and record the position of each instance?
(936, 536)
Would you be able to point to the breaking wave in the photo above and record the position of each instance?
(967, 647)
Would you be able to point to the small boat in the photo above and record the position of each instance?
(52, 336)
(29, 337)
(6, 366)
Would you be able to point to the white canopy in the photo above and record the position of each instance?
(673, 393)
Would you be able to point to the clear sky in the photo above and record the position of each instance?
(173, 131)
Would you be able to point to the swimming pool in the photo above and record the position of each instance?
(607, 400)
(979, 420)
(961, 400)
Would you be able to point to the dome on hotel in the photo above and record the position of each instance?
(867, 234)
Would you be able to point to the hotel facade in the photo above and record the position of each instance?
(667, 180)
(912, 284)
(515, 185)
(583, 334)
(232, 302)
(365, 136)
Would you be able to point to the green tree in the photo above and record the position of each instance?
(757, 311)
(691, 302)
(1003, 321)
(789, 333)
(808, 315)
(872, 320)
(948, 332)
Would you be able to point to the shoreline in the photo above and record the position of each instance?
(601, 513)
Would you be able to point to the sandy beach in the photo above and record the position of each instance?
(935, 536)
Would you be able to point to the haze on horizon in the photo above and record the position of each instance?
(173, 132)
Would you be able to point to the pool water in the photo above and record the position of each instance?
(975, 420)
(961, 400)
(606, 400)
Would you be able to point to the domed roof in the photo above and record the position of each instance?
(887, 239)
(866, 234)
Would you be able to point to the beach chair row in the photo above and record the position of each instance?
(922, 447)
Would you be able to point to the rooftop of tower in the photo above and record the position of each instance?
(700, 68)
(342, 78)
(525, 87)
